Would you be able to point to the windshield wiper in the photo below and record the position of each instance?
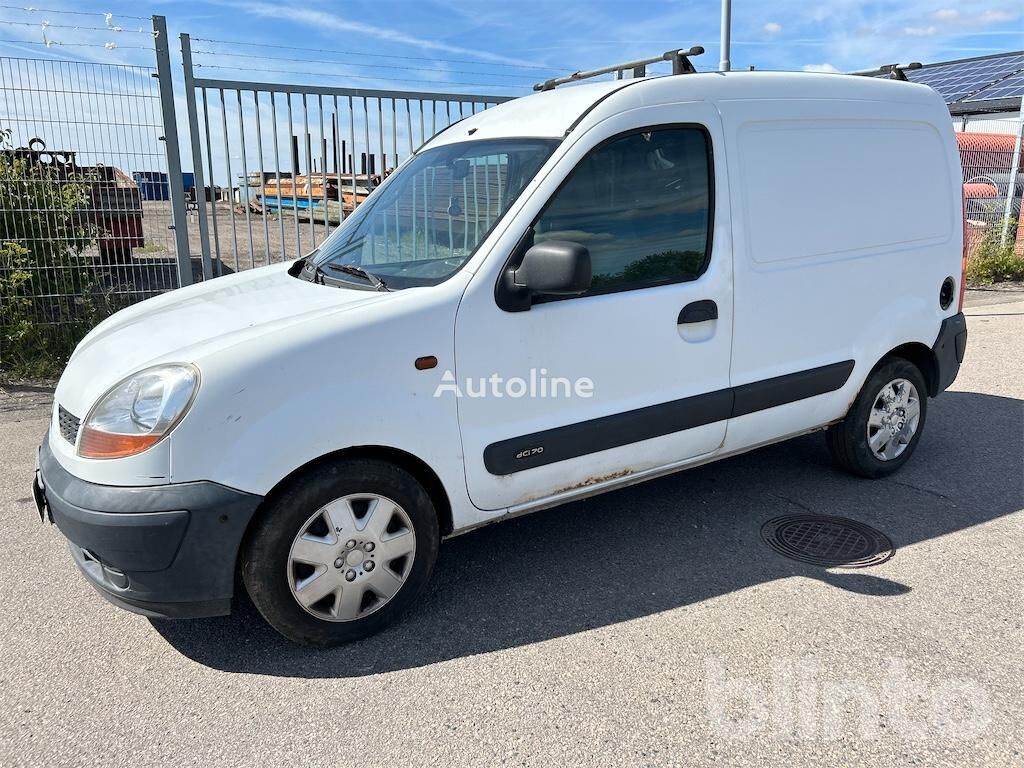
(355, 269)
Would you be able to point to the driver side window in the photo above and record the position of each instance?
(641, 204)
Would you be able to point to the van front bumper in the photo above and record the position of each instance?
(165, 551)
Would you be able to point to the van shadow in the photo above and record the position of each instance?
(654, 547)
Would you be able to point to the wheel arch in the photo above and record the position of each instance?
(919, 355)
(414, 465)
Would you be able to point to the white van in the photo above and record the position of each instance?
(564, 294)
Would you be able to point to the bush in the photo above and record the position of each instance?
(50, 294)
(993, 261)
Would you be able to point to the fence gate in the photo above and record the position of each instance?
(277, 167)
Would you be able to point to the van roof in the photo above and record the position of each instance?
(553, 113)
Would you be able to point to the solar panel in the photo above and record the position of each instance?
(1010, 88)
(956, 80)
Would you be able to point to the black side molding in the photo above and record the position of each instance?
(761, 395)
(574, 440)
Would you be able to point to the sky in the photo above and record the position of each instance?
(494, 47)
(508, 44)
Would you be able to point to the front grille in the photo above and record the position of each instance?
(68, 424)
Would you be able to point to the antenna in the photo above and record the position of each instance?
(681, 65)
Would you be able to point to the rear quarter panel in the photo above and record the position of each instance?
(847, 218)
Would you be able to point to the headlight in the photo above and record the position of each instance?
(138, 412)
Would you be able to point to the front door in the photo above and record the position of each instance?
(634, 374)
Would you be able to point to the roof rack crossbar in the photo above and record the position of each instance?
(897, 71)
(681, 65)
(894, 71)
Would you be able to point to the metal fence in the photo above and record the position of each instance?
(85, 223)
(96, 211)
(993, 168)
(277, 167)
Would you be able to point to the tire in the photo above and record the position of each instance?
(293, 549)
(849, 441)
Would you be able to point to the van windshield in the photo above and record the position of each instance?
(427, 219)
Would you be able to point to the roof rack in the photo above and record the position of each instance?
(894, 71)
(681, 65)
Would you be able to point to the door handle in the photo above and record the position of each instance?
(698, 312)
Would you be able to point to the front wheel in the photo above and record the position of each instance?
(342, 552)
(884, 424)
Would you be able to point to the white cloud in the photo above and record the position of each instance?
(954, 17)
(856, 36)
(820, 68)
(992, 17)
(773, 28)
(329, 21)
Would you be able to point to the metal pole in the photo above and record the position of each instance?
(227, 171)
(197, 155)
(177, 186)
(309, 175)
(323, 164)
(262, 187)
(1015, 165)
(245, 180)
(218, 265)
(339, 161)
(277, 172)
(725, 65)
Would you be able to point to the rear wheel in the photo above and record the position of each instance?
(342, 552)
(884, 424)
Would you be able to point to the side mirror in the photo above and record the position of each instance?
(551, 268)
(555, 268)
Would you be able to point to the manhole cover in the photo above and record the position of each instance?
(833, 542)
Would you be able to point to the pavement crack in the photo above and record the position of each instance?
(804, 507)
(936, 494)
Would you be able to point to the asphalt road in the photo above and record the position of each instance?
(650, 626)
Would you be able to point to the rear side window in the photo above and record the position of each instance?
(641, 204)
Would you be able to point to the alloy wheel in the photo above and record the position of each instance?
(894, 418)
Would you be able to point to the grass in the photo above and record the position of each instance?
(151, 248)
(994, 261)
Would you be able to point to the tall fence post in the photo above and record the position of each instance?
(197, 156)
(1011, 191)
(177, 185)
